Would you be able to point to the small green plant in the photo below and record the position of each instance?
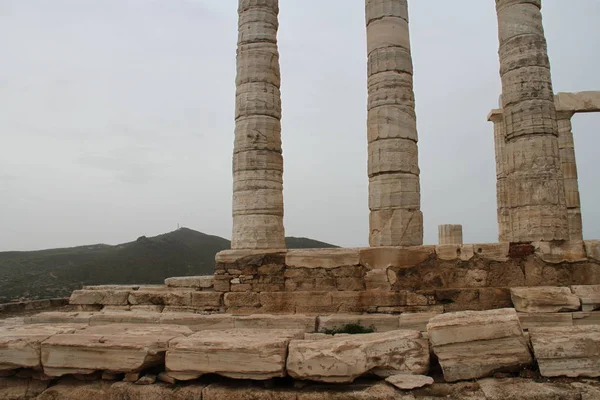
(352, 329)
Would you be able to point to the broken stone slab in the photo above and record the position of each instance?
(474, 344)
(57, 317)
(236, 353)
(198, 322)
(198, 282)
(160, 296)
(544, 299)
(125, 317)
(233, 256)
(102, 297)
(589, 295)
(306, 323)
(409, 382)
(555, 253)
(342, 359)
(20, 346)
(117, 348)
(567, 351)
(379, 323)
(522, 389)
(451, 252)
(322, 258)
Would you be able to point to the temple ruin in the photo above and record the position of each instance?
(516, 319)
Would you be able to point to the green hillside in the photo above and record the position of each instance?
(57, 272)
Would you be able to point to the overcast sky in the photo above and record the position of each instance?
(117, 116)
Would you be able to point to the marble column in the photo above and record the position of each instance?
(393, 167)
(450, 234)
(535, 187)
(257, 158)
(568, 164)
(504, 228)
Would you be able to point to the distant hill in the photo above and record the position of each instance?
(57, 272)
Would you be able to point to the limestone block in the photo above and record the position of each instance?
(198, 282)
(248, 5)
(258, 65)
(257, 31)
(257, 160)
(117, 348)
(391, 89)
(172, 297)
(304, 323)
(387, 32)
(518, 18)
(589, 296)
(258, 99)
(236, 353)
(21, 389)
(103, 297)
(474, 344)
(395, 228)
(144, 308)
(246, 236)
(207, 299)
(592, 249)
(567, 351)
(58, 317)
(394, 191)
(376, 9)
(416, 321)
(389, 59)
(586, 318)
(379, 322)
(539, 223)
(257, 179)
(377, 279)
(523, 389)
(125, 317)
(521, 83)
(258, 201)
(451, 252)
(322, 258)
(409, 382)
(112, 287)
(257, 132)
(450, 234)
(233, 256)
(391, 122)
(556, 253)
(536, 320)
(393, 156)
(492, 251)
(343, 359)
(198, 322)
(20, 345)
(578, 102)
(544, 299)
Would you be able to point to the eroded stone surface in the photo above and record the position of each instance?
(200, 282)
(544, 299)
(474, 344)
(103, 297)
(380, 323)
(345, 358)
(408, 381)
(521, 389)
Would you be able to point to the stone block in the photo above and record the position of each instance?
(125, 317)
(198, 322)
(589, 296)
(58, 317)
(567, 351)
(416, 321)
(451, 252)
(586, 318)
(246, 391)
(20, 346)
(197, 282)
(206, 299)
(475, 344)
(357, 391)
(395, 227)
(264, 321)
(592, 249)
(242, 300)
(160, 296)
(158, 391)
(537, 320)
(409, 382)
(73, 389)
(545, 299)
(234, 256)
(103, 297)
(492, 251)
(236, 353)
(377, 279)
(523, 389)
(117, 348)
(387, 32)
(322, 258)
(21, 389)
(395, 257)
(380, 323)
(345, 358)
(556, 253)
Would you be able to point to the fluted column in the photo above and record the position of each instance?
(504, 228)
(257, 158)
(568, 164)
(393, 167)
(533, 173)
(450, 234)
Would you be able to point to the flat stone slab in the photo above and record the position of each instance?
(107, 297)
(236, 353)
(306, 323)
(125, 317)
(342, 359)
(589, 296)
(198, 282)
(567, 351)
(20, 346)
(198, 322)
(474, 344)
(379, 323)
(57, 317)
(409, 382)
(117, 348)
(544, 299)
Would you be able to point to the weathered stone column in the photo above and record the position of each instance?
(504, 228)
(257, 158)
(534, 177)
(450, 234)
(568, 164)
(393, 167)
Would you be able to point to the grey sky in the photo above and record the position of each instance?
(116, 116)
